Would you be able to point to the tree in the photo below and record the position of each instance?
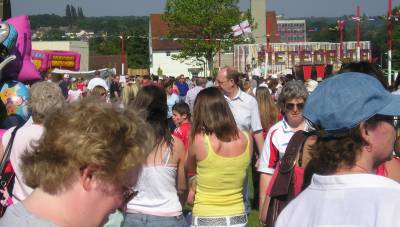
(68, 11)
(74, 15)
(203, 25)
(80, 13)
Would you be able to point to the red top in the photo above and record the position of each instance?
(182, 132)
(80, 86)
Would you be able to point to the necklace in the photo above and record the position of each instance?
(363, 169)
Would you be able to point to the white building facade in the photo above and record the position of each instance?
(162, 50)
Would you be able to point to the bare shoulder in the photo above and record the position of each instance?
(178, 146)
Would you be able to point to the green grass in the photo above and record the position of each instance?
(253, 219)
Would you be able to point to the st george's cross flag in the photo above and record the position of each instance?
(242, 28)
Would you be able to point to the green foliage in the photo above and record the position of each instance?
(136, 47)
(80, 13)
(159, 71)
(200, 23)
(396, 42)
(374, 31)
(136, 28)
(68, 11)
(54, 35)
(74, 15)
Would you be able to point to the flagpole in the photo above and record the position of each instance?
(358, 34)
(390, 43)
(267, 47)
(341, 26)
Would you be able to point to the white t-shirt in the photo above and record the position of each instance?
(351, 200)
(275, 144)
(244, 108)
(74, 96)
(26, 136)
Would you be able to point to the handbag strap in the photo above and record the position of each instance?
(287, 163)
(7, 151)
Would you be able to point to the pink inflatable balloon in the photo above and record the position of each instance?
(2, 131)
(21, 69)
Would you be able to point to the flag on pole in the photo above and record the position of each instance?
(242, 28)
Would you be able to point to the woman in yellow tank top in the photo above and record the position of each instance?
(219, 153)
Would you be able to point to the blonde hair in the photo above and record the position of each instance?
(98, 91)
(129, 93)
(266, 107)
(87, 133)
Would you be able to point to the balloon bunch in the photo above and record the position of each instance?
(16, 70)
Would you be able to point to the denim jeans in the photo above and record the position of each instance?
(245, 192)
(145, 220)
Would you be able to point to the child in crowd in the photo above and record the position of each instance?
(181, 118)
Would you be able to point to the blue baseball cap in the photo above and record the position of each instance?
(345, 100)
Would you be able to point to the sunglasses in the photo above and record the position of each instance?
(290, 106)
(393, 120)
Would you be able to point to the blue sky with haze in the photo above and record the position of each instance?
(290, 8)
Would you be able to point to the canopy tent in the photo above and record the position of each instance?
(104, 73)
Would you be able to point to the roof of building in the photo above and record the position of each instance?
(158, 32)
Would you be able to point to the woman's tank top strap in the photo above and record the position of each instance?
(210, 150)
(208, 146)
(167, 156)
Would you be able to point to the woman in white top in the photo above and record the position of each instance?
(162, 184)
(74, 94)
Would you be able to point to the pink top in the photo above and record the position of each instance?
(26, 135)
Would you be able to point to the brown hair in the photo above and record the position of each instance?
(211, 114)
(98, 91)
(266, 107)
(232, 74)
(338, 150)
(90, 132)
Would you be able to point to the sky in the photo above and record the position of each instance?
(289, 8)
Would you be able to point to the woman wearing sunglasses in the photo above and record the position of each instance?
(162, 189)
(291, 102)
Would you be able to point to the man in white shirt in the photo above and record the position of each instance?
(191, 95)
(356, 121)
(244, 108)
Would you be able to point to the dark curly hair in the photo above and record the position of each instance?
(338, 150)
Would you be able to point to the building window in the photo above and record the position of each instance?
(168, 53)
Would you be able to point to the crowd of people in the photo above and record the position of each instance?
(183, 152)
